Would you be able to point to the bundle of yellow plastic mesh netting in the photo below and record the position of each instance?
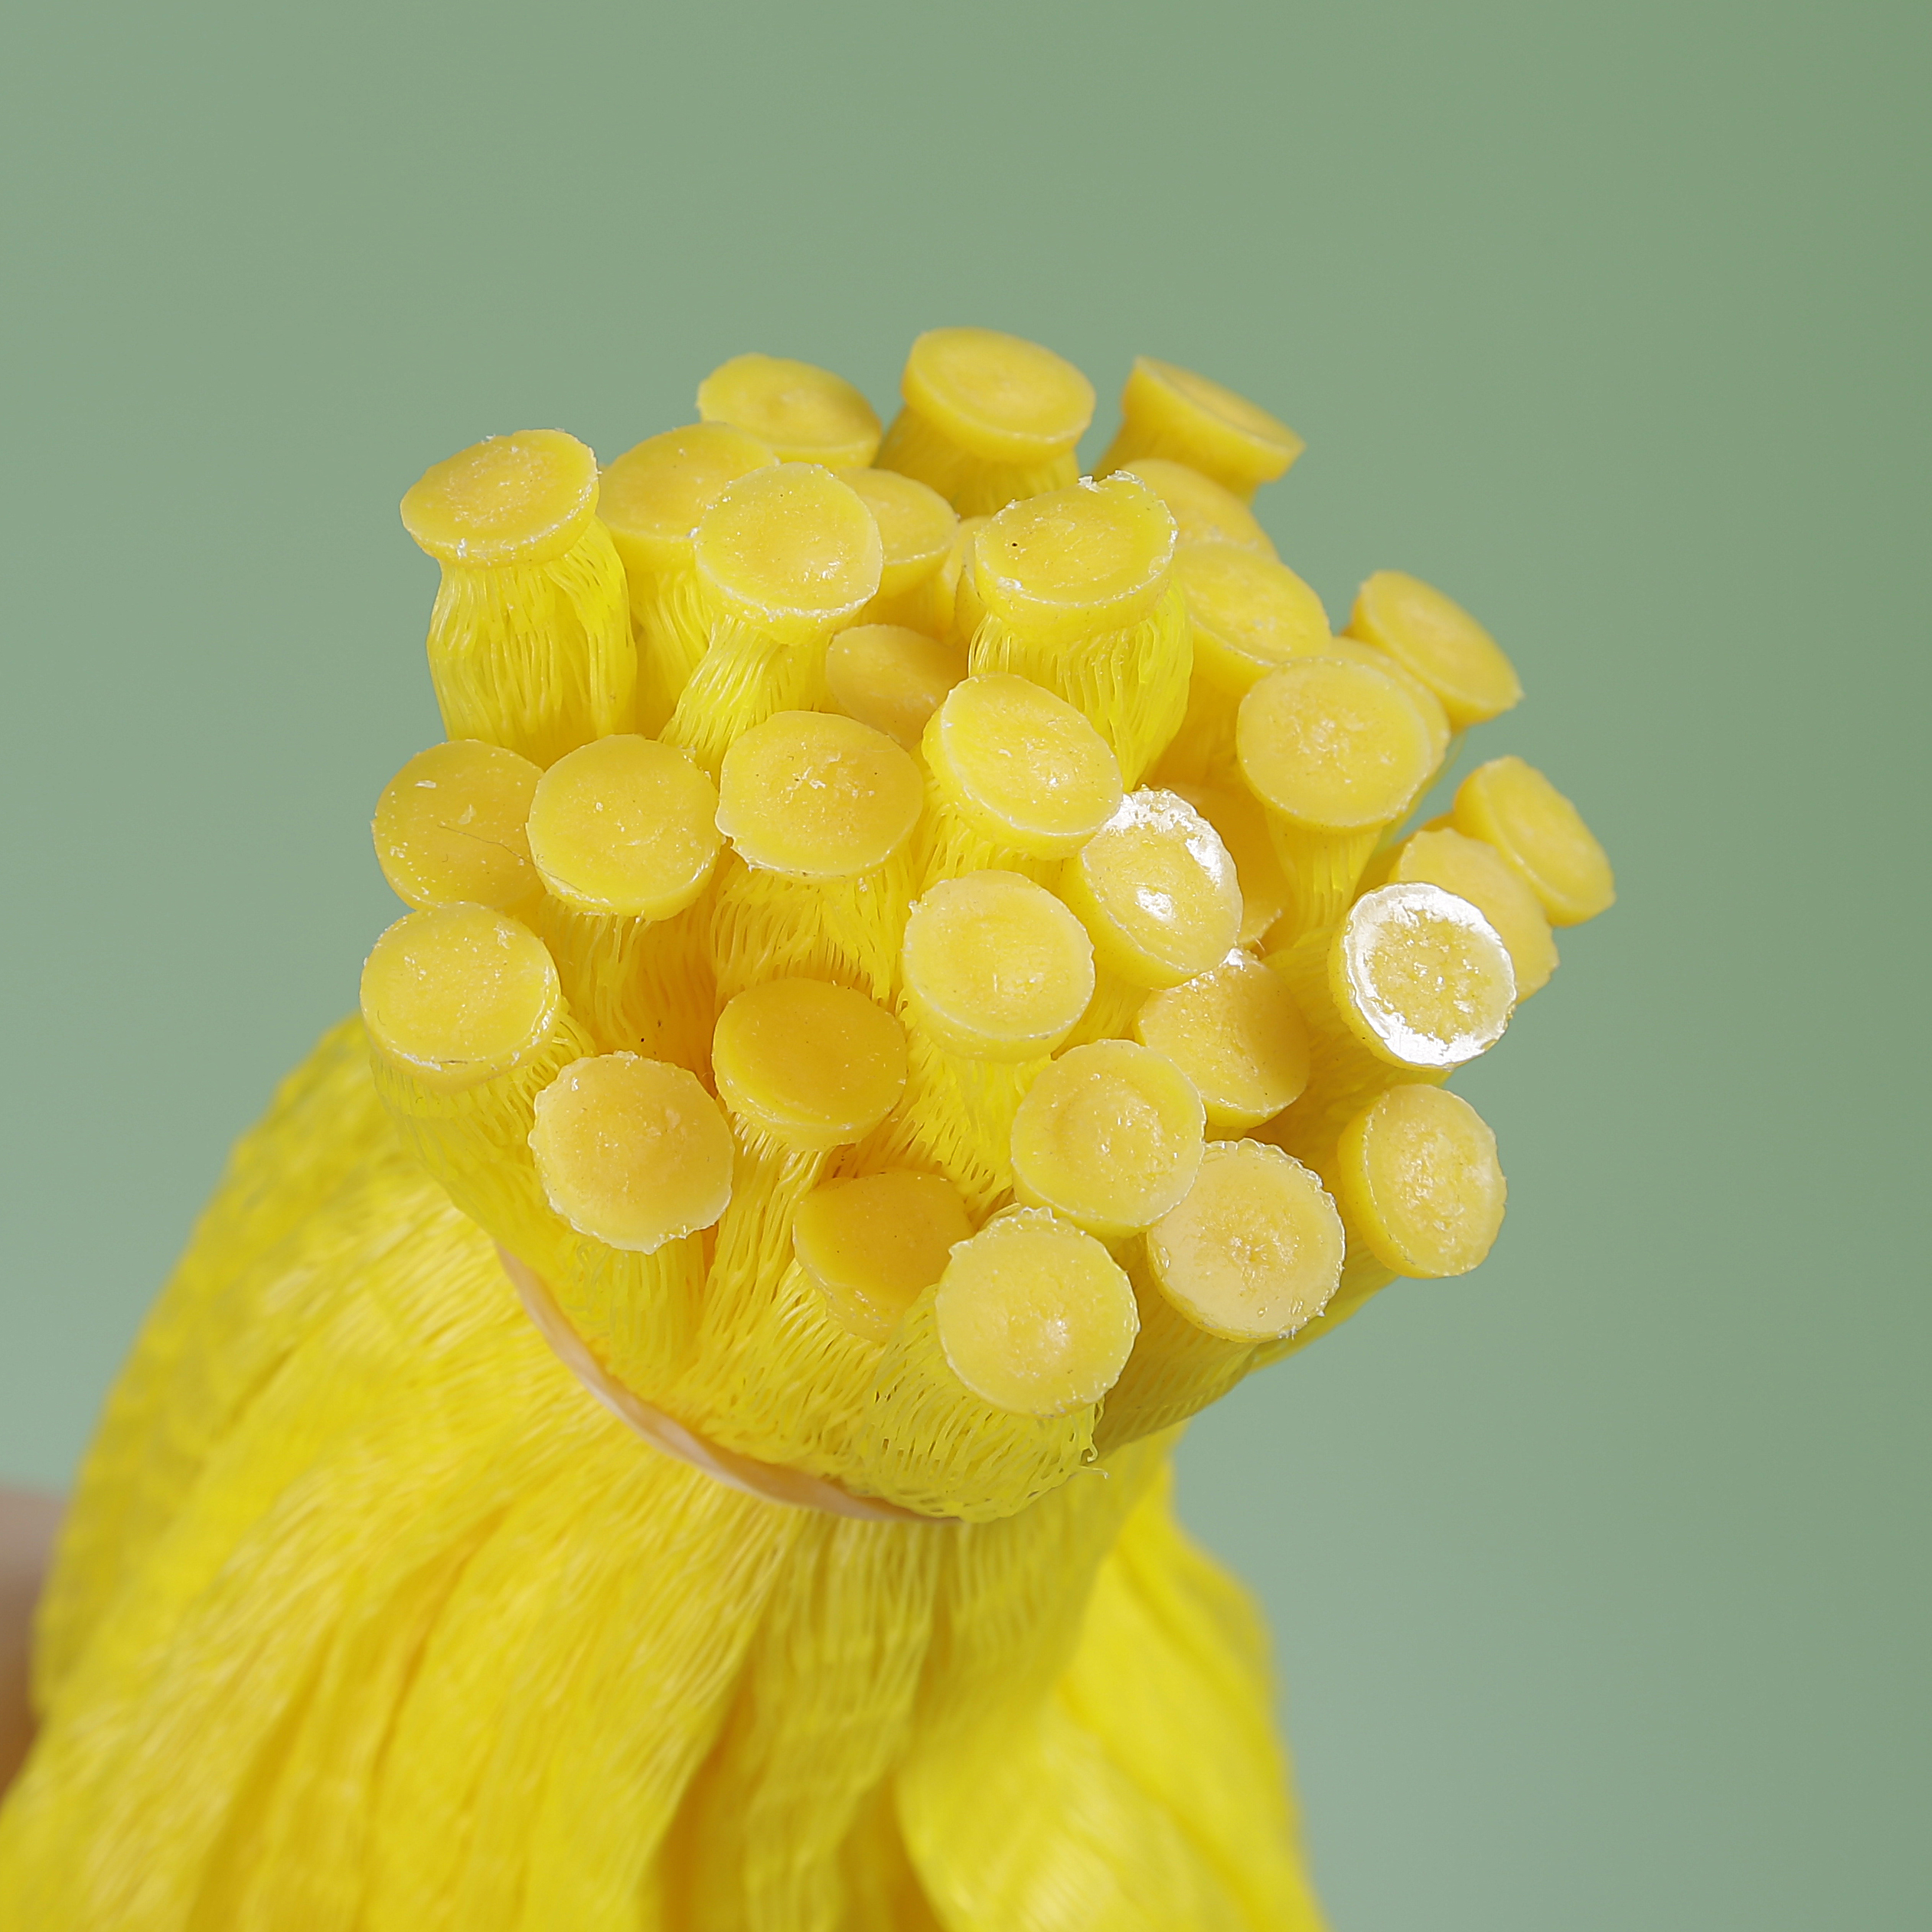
(918, 982)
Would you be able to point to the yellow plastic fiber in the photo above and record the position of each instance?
(664, 1427)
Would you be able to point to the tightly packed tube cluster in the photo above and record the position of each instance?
(921, 972)
(960, 935)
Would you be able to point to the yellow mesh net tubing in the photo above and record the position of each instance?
(918, 979)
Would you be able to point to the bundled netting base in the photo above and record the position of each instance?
(922, 975)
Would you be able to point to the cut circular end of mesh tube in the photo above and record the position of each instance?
(1417, 1176)
(805, 414)
(916, 527)
(457, 996)
(448, 828)
(1332, 746)
(524, 498)
(1421, 978)
(1541, 836)
(790, 550)
(1034, 1316)
(632, 1152)
(1203, 511)
(816, 796)
(1237, 1035)
(891, 678)
(1021, 766)
(1109, 1136)
(814, 1066)
(1255, 1250)
(654, 496)
(624, 826)
(1173, 412)
(1473, 869)
(1250, 614)
(995, 967)
(1156, 891)
(999, 397)
(1440, 642)
(873, 1245)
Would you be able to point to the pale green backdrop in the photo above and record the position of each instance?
(1599, 1578)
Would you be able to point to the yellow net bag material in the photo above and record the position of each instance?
(919, 980)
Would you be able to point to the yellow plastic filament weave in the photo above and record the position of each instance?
(891, 678)
(1440, 642)
(812, 1065)
(804, 414)
(1237, 1035)
(1416, 1174)
(631, 1152)
(529, 641)
(1542, 836)
(1035, 1316)
(1109, 1137)
(1255, 1252)
(988, 419)
(449, 828)
(872, 1245)
(1173, 413)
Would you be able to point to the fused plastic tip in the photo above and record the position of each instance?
(1250, 614)
(875, 1244)
(1420, 978)
(1240, 823)
(891, 678)
(449, 827)
(1255, 1250)
(790, 550)
(1156, 890)
(1541, 836)
(1062, 565)
(458, 996)
(916, 528)
(1418, 1177)
(812, 1065)
(1332, 746)
(1203, 511)
(996, 968)
(1034, 1316)
(632, 1152)
(805, 414)
(1440, 642)
(1237, 1035)
(654, 497)
(1110, 1136)
(524, 498)
(1002, 398)
(1021, 766)
(816, 796)
(624, 826)
(1171, 412)
(1473, 869)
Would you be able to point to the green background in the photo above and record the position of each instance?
(1599, 1578)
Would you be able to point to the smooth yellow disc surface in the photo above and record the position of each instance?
(1242, 824)
(1418, 1179)
(523, 498)
(1067, 562)
(1156, 890)
(1473, 869)
(1541, 835)
(814, 1066)
(916, 527)
(654, 496)
(625, 827)
(1000, 398)
(995, 967)
(1425, 700)
(1251, 615)
(632, 1152)
(790, 549)
(1421, 977)
(459, 995)
(1255, 1250)
(1022, 765)
(875, 1244)
(1203, 512)
(1034, 1316)
(1237, 1035)
(891, 678)
(1438, 641)
(449, 827)
(1109, 1136)
(806, 415)
(1332, 746)
(1205, 425)
(816, 796)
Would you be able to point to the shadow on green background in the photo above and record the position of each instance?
(1599, 1577)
